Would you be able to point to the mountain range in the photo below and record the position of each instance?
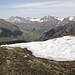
(37, 27)
(29, 20)
(34, 29)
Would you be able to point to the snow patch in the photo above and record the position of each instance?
(59, 49)
(71, 18)
(34, 19)
(61, 19)
(16, 20)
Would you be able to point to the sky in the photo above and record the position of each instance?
(36, 8)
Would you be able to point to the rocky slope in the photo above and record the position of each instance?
(61, 30)
(19, 61)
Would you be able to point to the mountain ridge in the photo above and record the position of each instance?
(61, 30)
(34, 28)
(43, 19)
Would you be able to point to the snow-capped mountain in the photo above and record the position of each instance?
(62, 21)
(49, 18)
(61, 30)
(16, 19)
(39, 26)
(65, 20)
(59, 49)
(71, 18)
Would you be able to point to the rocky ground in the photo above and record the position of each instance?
(19, 61)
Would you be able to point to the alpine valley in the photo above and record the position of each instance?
(32, 46)
(39, 28)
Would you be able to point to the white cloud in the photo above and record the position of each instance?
(64, 4)
(32, 4)
(55, 8)
(46, 4)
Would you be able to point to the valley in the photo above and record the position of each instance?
(38, 28)
(30, 45)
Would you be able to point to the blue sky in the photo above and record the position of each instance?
(36, 8)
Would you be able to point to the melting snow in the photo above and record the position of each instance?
(59, 49)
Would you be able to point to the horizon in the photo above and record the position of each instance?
(41, 17)
(37, 9)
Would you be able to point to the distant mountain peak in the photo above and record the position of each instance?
(30, 20)
(58, 18)
(16, 19)
(72, 18)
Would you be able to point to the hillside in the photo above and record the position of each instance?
(19, 61)
(51, 57)
(10, 32)
(60, 30)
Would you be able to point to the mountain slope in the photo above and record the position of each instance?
(61, 30)
(9, 31)
(19, 61)
(36, 26)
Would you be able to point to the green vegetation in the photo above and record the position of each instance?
(24, 31)
(11, 32)
(18, 61)
(5, 39)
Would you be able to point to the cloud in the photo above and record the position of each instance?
(46, 4)
(55, 4)
(55, 8)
